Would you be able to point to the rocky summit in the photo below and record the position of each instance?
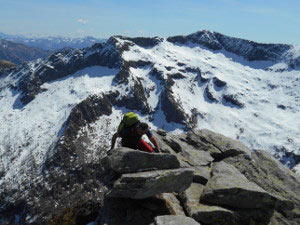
(200, 177)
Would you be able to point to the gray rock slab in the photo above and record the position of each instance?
(231, 188)
(197, 157)
(164, 146)
(146, 184)
(126, 160)
(174, 220)
(172, 203)
(201, 174)
(203, 213)
(272, 176)
(228, 146)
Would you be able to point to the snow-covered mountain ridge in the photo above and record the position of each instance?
(54, 108)
(249, 50)
(53, 43)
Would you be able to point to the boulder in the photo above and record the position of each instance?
(200, 212)
(174, 220)
(212, 214)
(188, 156)
(126, 160)
(201, 174)
(146, 184)
(196, 157)
(209, 214)
(276, 179)
(218, 145)
(173, 141)
(231, 188)
(172, 203)
(165, 147)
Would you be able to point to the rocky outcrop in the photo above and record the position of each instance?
(229, 187)
(146, 184)
(248, 49)
(223, 195)
(171, 106)
(125, 160)
(145, 42)
(174, 220)
(206, 38)
(219, 83)
(66, 62)
(200, 177)
(233, 100)
(161, 174)
(6, 66)
(207, 214)
(87, 112)
(274, 178)
(226, 180)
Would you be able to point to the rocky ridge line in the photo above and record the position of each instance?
(250, 50)
(220, 193)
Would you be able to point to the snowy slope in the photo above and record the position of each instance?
(256, 102)
(31, 132)
(271, 99)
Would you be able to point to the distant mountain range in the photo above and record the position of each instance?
(18, 53)
(52, 43)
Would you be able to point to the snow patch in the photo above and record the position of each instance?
(31, 133)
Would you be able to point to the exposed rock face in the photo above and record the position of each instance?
(206, 38)
(229, 187)
(248, 49)
(226, 197)
(208, 214)
(162, 174)
(170, 105)
(87, 112)
(233, 99)
(125, 160)
(172, 108)
(218, 145)
(66, 62)
(174, 220)
(69, 188)
(5, 66)
(146, 184)
(274, 178)
(211, 179)
(144, 41)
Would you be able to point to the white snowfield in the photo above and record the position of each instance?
(269, 119)
(261, 123)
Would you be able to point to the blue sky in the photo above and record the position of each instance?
(267, 21)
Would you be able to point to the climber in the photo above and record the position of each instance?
(131, 131)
